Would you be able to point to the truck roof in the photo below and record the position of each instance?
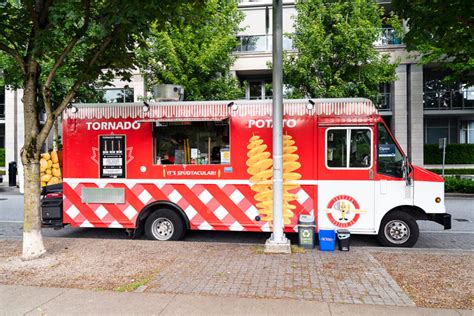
(219, 110)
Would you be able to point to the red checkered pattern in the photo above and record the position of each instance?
(208, 206)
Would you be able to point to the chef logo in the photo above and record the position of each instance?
(343, 211)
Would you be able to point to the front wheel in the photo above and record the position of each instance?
(164, 225)
(398, 229)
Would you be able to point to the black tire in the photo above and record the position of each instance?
(164, 225)
(398, 229)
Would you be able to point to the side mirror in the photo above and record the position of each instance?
(406, 170)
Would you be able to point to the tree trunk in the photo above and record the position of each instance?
(33, 246)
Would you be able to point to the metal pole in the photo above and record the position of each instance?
(278, 236)
(444, 154)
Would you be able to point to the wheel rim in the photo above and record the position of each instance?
(162, 228)
(397, 231)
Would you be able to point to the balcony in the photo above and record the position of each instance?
(263, 43)
(388, 37)
(384, 101)
(260, 43)
(449, 99)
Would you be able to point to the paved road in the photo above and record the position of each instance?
(461, 236)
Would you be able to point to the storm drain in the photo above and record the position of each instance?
(461, 220)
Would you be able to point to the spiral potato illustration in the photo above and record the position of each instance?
(259, 168)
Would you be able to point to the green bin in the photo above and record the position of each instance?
(307, 231)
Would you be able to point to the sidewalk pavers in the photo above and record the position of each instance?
(236, 270)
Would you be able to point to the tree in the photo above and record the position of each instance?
(53, 48)
(196, 53)
(442, 31)
(335, 50)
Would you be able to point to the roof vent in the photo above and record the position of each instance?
(168, 92)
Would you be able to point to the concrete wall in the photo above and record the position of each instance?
(416, 127)
(399, 110)
(14, 128)
(402, 127)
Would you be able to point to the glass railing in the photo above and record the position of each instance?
(448, 100)
(261, 43)
(384, 101)
(388, 37)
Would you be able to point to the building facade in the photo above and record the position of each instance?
(418, 107)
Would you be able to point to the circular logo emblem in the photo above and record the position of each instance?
(343, 211)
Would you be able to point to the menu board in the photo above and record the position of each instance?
(112, 156)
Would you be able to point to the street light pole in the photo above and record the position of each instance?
(277, 243)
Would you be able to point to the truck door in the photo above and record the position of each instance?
(346, 178)
(391, 189)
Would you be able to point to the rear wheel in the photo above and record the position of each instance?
(164, 225)
(398, 229)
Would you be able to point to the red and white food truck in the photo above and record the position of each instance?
(169, 167)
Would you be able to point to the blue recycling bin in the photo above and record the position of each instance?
(327, 239)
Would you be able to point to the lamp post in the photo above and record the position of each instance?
(277, 243)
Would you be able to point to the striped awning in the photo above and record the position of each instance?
(220, 110)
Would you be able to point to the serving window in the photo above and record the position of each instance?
(191, 142)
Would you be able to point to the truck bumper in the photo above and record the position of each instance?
(442, 219)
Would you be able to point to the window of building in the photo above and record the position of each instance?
(259, 89)
(384, 101)
(441, 127)
(193, 142)
(441, 95)
(2, 135)
(389, 158)
(349, 148)
(113, 96)
(467, 132)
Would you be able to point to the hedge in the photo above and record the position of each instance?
(2, 157)
(468, 171)
(453, 184)
(455, 154)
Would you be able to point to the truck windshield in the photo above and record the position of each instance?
(389, 158)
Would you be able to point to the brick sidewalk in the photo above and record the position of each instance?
(236, 270)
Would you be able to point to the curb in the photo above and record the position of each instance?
(459, 195)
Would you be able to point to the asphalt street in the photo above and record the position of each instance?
(432, 235)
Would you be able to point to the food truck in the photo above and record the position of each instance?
(169, 167)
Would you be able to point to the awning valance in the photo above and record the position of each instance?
(219, 110)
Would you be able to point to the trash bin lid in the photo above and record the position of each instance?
(343, 234)
(306, 219)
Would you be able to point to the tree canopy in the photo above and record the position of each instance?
(442, 31)
(196, 53)
(335, 50)
(52, 49)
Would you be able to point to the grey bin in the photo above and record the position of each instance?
(307, 231)
(343, 239)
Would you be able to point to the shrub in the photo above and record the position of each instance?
(2, 157)
(453, 184)
(455, 154)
